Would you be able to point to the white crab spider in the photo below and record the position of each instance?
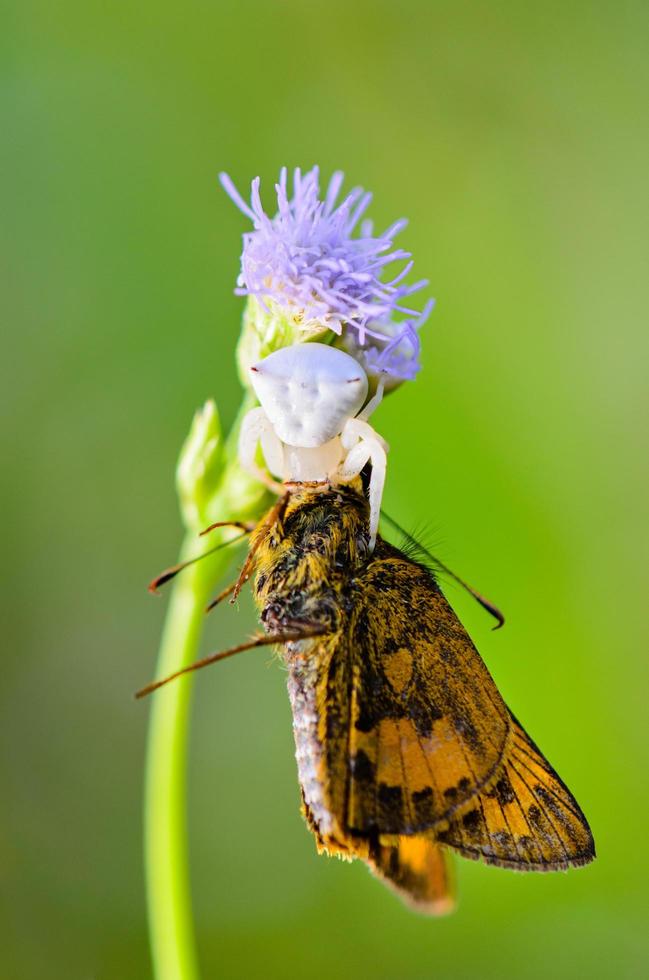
(310, 424)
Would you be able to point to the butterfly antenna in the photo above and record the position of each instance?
(247, 526)
(488, 606)
(290, 636)
(170, 573)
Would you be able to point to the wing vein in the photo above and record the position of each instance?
(564, 802)
(544, 811)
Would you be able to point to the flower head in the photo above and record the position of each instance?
(318, 269)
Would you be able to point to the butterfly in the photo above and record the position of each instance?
(406, 751)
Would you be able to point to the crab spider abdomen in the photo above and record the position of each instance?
(308, 391)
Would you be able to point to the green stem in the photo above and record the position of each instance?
(167, 872)
(237, 497)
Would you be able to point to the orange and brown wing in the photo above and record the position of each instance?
(418, 870)
(402, 737)
(528, 820)
(428, 729)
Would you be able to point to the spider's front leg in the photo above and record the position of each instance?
(365, 445)
(257, 428)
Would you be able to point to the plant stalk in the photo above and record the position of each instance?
(173, 945)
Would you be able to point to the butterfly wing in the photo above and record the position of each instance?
(428, 729)
(528, 820)
(418, 870)
(404, 744)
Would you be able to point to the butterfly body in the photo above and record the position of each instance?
(405, 748)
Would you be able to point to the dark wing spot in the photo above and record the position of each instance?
(362, 767)
(503, 791)
(467, 731)
(557, 811)
(390, 804)
(451, 793)
(471, 822)
(422, 804)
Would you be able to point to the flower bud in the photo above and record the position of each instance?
(199, 466)
(210, 481)
(267, 326)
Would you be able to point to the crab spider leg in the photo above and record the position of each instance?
(356, 429)
(256, 428)
(368, 450)
(373, 403)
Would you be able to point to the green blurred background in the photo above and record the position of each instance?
(515, 138)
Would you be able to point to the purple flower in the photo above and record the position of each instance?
(393, 349)
(314, 261)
